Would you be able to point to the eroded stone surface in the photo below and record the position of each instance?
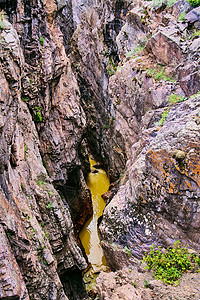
(40, 243)
(160, 201)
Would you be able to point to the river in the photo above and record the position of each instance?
(98, 183)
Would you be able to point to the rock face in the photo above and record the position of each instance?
(37, 237)
(128, 284)
(158, 201)
(80, 76)
(93, 55)
(46, 126)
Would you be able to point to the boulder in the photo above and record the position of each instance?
(193, 16)
(165, 47)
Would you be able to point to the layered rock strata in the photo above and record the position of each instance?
(158, 198)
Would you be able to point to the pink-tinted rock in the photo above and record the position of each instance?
(165, 48)
(12, 285)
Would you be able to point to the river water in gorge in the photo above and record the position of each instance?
(98, 183)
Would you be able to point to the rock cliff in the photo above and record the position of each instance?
(38, 246)
(155, 95)
(119, 79)
(51, 113)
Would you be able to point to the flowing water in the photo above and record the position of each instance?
(98, 183)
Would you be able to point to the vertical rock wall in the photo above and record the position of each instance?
(54, 104)
(37, 237)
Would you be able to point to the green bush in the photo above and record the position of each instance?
(128, 251)
(50, 205)
(42, 41)
(24, 99)
(25, 149)
(169, 266)
(194, 2)
(38, 114)
(195, 95)
(195, 34)
(164, 116)
(182, 16)
(159, 74)
(174, 98)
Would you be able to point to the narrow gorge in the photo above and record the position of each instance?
(118, 81)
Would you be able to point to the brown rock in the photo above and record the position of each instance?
(165, 48)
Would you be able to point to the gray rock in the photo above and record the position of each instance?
(154, 205)
(195, 45)
(193, 16)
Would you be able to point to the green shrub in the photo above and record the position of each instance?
(25, 149)
(174, 98)
(164, 116)
(182, 16)
(137, 49)
(42, 41)
(157, 3)
(194, 2)
(24, 99)
(146, 284)
(159, 74)
(128, 251)
(38, 114)
(50, 205)
(169, 266)
(195, 95)
(39, 117)
(195, 34)
(110, 71)
(106, 126)
(40, 182)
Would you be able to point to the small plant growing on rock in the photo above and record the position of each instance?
(179, 155)
(40, 182)
(174, 98)
(38, 114)
(25, 149)
(106, 126)
(24, 99)
(182, 16)
(164, 116)
(50, 205)
(134, 284)
(128, 251)
(195, 34)
(194, 3)
(169, 266)
(195, 95)
(2, 19)
(159, 74)
(146, 284)
(170, 3)
(160, 3)
(22, 187)
(42, 41)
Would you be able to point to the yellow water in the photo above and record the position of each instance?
(98, 183)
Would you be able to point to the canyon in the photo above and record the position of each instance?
(118, 80)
